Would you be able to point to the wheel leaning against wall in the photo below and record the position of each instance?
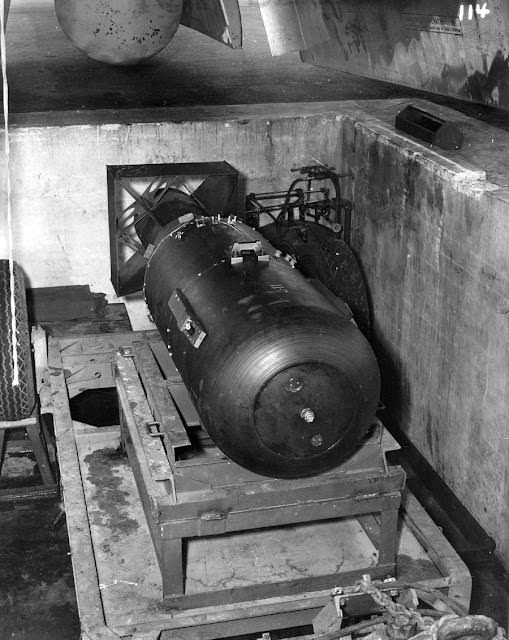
(16, 402)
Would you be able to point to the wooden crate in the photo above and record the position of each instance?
(207, 494)
(118, 581)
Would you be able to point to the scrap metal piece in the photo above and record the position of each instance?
(218, 19)
(429, 128)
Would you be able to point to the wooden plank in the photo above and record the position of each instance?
(150, 491)
(149, 450)
(18, 424)
(224, 474)
(166, 616)
(89, 375)
(84, 570)
(159, 399)
(106, 325)
(182, 399)
(278, 493)
(175, 384)
(39, 344)
(212, 469)
(101, 342)
(11, 498)
(284, 620)
(147, 455)
(132, 546)
(388, 534)
(50, 304)
(172, 567)
(439, 550)
(235, 614)
(2, 441)
(371, 525)
(41, 454)
(275, 589)
(74, 361)
(238, 613)
(388, 442)
(164, 360)
(217, 471)
(220, 522)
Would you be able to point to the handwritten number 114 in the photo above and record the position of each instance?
(467, 11)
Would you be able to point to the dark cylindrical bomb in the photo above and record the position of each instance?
(285, 383)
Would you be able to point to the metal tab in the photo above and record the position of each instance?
(188, 217)
(154, 429)
(186, 318)
(242, 250)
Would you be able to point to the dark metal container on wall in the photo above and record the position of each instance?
(285, 383)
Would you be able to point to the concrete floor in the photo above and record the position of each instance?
(37, 600)
(46, 72)
(37, 594)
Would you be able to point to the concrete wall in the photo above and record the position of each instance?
(433, 238)
(59, 196)
(431, 230)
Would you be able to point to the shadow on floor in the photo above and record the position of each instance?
(37, 598)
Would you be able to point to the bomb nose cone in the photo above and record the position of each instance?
(121, 32)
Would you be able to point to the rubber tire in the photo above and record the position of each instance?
(16, 402)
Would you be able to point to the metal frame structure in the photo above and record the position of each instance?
(219, 187)
(236, 499)
(37, 434)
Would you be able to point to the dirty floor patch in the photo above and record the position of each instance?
(37, 598)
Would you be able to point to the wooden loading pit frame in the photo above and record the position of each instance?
(209, 497)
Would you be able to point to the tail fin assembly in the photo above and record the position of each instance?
(218, 19)
(456, 48)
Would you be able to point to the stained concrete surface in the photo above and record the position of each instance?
(36, 585)
(37, 600)
(46, 72)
